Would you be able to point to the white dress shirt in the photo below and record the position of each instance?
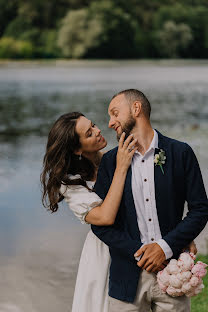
(143, 189)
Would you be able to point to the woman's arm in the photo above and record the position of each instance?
(105, 214)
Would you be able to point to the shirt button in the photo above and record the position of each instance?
(142, 160)
(145, 180)
(147, 199)
(152, 239)
(150, 219)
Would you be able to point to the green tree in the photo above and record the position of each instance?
(194, 16)
(11, 48)
(173, 39)
(103, 30)
(78, 33)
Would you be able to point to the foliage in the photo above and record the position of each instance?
(173, 39)
(107, 28)
(11, 48)
(78, 33)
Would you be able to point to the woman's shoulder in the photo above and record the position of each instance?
(76, 187)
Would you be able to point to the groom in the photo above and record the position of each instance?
(149, 228)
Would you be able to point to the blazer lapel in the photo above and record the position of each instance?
(129, 203)
(162, 182)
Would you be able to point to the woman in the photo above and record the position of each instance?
(70, 169)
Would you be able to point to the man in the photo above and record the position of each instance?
(149, 228)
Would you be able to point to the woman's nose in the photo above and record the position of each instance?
(97, 131)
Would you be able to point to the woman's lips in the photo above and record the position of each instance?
(101, 139)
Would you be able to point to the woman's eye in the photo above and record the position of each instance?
(90, 134)
(93, 125)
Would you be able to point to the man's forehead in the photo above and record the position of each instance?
(117, 102)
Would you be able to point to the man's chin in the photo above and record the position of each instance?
(118, 135)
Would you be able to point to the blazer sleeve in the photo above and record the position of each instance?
(113, 236)
(195, 195)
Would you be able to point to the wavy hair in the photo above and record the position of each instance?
(60, 161)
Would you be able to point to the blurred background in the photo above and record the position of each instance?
(78, 54)
(103, 29)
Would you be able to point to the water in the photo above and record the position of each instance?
(40, 251)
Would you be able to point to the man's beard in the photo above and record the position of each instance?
(127, 127)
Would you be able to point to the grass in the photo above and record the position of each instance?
(199, 303)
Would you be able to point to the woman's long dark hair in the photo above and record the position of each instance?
(60, 160)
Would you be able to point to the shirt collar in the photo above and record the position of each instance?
(153, 144)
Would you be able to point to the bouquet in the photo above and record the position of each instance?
(182, 277)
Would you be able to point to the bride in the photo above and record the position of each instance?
(69, 171)
(73, 154)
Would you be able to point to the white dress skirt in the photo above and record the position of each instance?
(91, 289)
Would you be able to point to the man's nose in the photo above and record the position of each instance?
(111, 123)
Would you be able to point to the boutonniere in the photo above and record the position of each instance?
(160, 159)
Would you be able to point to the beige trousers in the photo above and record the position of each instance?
(150, 298)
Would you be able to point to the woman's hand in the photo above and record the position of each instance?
(126, 150)
(191, 248)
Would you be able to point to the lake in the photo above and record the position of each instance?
(39, 250)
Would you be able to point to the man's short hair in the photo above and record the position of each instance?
(133, 95)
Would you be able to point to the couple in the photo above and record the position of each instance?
(135, 209)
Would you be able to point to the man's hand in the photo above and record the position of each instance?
(153, 259)
(191, 248)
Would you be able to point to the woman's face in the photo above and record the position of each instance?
(90, 136)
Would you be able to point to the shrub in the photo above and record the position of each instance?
(11, 48)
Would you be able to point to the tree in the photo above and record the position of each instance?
(173, 39)
(103, 30)
(78, 33)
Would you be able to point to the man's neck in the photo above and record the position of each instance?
(144, 135)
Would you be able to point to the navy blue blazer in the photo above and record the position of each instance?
(182, 181)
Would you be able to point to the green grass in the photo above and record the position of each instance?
(199, 303)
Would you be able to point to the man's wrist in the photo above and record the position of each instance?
(165, 247)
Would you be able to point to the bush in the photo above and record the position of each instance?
(173, 39)
(78, 33)
(11, 48)
(103, 30)
(17, 27)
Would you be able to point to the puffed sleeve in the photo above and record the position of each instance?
(80, 200)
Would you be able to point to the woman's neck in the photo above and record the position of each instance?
(95, 158)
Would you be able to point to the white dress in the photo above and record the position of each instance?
(91, 289)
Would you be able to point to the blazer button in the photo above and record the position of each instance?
(142, 160)
(145, 180)
(150, 219)
(152, 239)
(147, 199)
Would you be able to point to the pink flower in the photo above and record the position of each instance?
(172, 267)
(172, 291)
(186, 287)
(164, 277)
(199, 269)
(194, 281)
(175, 281)
(185, 261)
(184, 276)
(199, 288)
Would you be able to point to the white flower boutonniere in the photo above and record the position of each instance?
(160, 159)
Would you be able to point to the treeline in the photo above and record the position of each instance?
(103, 28)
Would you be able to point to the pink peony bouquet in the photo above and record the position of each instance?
(182, 276)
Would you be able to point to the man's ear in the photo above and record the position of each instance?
(136, 108)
